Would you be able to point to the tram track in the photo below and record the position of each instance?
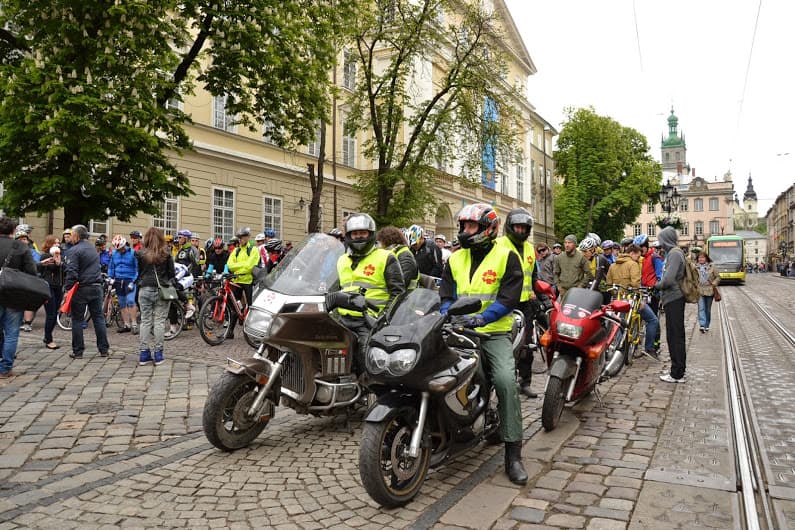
(753, 483)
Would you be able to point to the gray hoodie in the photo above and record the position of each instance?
(673, 268)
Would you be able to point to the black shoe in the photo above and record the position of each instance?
(104, 353)
(652, 354)
(527, 391)
(230, 335)
(76, 355)
(513, 463)
(125, 329)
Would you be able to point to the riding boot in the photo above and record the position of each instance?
(524, 386)
(513, 463)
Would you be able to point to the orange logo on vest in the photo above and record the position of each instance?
(369, 270)
(489, 277)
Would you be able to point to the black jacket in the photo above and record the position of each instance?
(429, 259)
(166, 275)
(82, 265)
(21, 258)
(51, 273)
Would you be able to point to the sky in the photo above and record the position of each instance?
(732, 88)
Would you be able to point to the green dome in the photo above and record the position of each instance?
(673, 140)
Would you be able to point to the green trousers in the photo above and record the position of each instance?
(499, 356)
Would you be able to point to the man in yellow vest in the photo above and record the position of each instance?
(492, 273)
(364, 266)
(518, 225)
(242, 262)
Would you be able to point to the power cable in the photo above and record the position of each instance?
(637, 35)
(748, 65)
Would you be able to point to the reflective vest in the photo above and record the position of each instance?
(369, 273)
(414, 282)
(484, 284)
(528, 260)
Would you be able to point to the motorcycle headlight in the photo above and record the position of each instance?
(258, 322)
(377, 360)
(570, 331)
(402, 361)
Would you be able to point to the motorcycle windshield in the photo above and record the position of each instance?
(417, 304)
(309, 268)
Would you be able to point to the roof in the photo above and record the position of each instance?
(750, 234)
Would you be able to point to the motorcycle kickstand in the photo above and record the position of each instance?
(598, 397)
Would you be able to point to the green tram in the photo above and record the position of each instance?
(728, 257)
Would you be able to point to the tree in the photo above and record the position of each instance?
(86, 86)
(429, 90)
(607, 175)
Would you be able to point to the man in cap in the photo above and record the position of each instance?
(557, 248)
(135, 240)
(571, 267)
(441, 243)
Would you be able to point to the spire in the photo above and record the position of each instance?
(749, 191)
(674, 138)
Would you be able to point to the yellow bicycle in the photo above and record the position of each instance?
(636, 296)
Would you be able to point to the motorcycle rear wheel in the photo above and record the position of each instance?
(554, 399)
(390, 477)
(225, 422)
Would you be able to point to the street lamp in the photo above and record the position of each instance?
(669, 200)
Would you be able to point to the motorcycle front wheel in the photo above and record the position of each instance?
(389, 475)
(225, 420)
(554, 399)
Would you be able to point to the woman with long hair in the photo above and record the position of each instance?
(51, 270)
(155, 268)
(708, 281)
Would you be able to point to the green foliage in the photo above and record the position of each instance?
(84, 86)
(607, 175)
(398, 47)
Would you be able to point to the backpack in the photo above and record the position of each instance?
(690, 281)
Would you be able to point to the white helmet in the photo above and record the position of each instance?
(588, 243)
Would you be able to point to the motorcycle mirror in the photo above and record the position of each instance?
(464, 306)
(545, 288)
(619, 306)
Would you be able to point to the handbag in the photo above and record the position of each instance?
(20, 290)
(66, 306)
(167, 292)
(716, 294)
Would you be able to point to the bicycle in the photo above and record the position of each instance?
(215, 316)
(110, 304)
(635, 296)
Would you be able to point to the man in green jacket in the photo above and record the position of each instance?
(571, 267)
(242, 261)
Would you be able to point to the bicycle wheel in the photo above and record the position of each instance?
(177, 306)
(64, 320)
(214, 320)
(633, 335)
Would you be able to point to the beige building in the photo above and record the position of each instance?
(781, 228)
(241, 179)
(755, 246)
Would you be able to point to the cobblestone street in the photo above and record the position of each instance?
(105, 443)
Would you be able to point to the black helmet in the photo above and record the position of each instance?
(518, 216)
(274, 245)
(626, 241)
(337, 234)
(360, 221)
(488, 225)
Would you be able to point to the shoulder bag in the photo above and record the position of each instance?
(167, 292)
(20, 290)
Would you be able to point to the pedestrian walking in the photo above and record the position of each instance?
(82, 266)
(155, 268)
(708, 280)
(51, 270)
(18, 257)
(673, 301)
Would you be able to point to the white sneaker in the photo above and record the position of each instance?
(172, 329)
(190, 310)
(669, 379)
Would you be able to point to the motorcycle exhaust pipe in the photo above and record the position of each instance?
(277, 369)
(416, 436)
(613, 367)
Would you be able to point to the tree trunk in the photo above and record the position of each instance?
(74, 215)
(316, 183)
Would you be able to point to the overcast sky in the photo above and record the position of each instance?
(633, 60)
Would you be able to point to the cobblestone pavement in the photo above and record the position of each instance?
(104, 443)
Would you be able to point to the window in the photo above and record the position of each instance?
(313, 147)
(222, 119)
(637, 229)
(98, 227)
(348, 70)
(650, 207)
(175, 103)
(685, 228)
(667, 157)
(683, 204)
(714, 227)
(698, 205)
(651, 229)
(520, 181)
(698, 227)
(713, 204)
(166, 218)
(223, 213)
(348, 146)
(267, 131)
(272, 214)
(504, 184)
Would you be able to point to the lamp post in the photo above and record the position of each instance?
(546, 183)
(669, 200)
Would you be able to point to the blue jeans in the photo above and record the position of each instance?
(51, 309)
(652, 325)
(704, 311)
(153, 318)
(91, 296)
(10, 319)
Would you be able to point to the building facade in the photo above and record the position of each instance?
(755, 246)
(781, 229)
(240, 178)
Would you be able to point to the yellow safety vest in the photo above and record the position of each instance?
(369, 274)
(414, 282)
(484, 284)
(528, 259)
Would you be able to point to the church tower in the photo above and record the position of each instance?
(673, 149)
(749, 199)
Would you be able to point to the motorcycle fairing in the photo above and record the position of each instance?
(388, 402)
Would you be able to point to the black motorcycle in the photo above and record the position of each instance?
(434, 398)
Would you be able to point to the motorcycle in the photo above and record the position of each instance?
(434, 399)
(582, 345)
(304, 359)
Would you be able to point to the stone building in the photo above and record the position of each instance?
(781, 228)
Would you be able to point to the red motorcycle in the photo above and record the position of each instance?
(583, 347)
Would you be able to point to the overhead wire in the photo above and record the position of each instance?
(637, 35)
